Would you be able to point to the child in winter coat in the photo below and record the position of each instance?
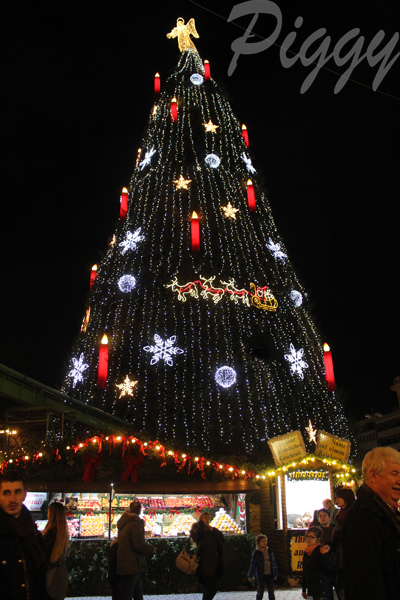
(317, 567)
(264, 567)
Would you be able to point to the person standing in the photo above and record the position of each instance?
(371, 531)
(209, 541)
(324, 521)
(317, 567)
(263, 566)
(344, 499)
(329, 505)
(55, 541)
(132, 552)
(22, 559)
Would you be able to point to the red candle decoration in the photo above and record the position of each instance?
(207, 73)
(174, 110)
(251, 197)
(195, 231)
(330, 376)
(103, 363)
(245, 135)
(157, 83)
(123, 207)
(93, 275)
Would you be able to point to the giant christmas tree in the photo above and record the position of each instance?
(209, 342)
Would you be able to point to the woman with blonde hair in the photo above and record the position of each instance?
(55, 545)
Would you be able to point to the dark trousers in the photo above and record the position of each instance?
(131, 587)
(269, 580)
(209, 586)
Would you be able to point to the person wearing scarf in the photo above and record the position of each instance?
(22, 560)
(371, 531)
(317, 567)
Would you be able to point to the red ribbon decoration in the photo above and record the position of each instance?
(91, 463)
(200, 466)
(173, 511)
(185, 460)
(36, 457)
(132, 463)
(56, 453)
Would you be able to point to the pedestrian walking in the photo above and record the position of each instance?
(263, 566)
(209, 541)
(132, 552)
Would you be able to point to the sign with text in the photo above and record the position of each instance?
(34, 500)
(287, 447)
(330, 446)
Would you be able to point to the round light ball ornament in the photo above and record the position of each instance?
(196, 79)
(212, 160)
(126, 283)
(225, 377)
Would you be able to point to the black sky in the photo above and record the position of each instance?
(77, 91)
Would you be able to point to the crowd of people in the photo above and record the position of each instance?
(353, 547)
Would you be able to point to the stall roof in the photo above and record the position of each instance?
(146, 487)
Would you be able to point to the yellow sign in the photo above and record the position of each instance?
(288, 447)
(297, 545)
(331, 446)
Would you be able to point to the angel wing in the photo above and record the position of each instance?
(191, 28)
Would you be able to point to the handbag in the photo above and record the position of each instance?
(57, 582)
(186, 562)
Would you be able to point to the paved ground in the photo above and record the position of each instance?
(280, 594)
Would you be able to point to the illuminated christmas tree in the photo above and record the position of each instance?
(197, 328)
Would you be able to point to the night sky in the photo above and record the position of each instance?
(77, 87)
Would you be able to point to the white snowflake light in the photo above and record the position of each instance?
(197, 79)
(131, 240)
(147, 158)
(276, 250)
(126, 283)
(297, 298)
(297, 364)
(212, 160)
(249, 166)
(225, 377)
(163, 350)
(77, 371)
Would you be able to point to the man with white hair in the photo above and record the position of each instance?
(371, 530)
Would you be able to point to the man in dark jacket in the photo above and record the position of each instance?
(22, 560)
(132, 551)
(371, 531)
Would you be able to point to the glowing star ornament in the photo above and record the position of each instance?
(79, 368)
(132, 239)
(229, 211)
(126, 283)
(225, 377)
(126, 387)
(163, 350)
(249, 165)
(212, 160)
(182, 183)
(210, 127)
(276, 250)
(297, 364)
(147, 158)
(297, 298)
(312, 433)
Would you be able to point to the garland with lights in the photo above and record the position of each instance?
(94, 448)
